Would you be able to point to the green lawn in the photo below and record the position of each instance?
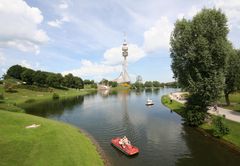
(51, 144)
(235, 102)
(175, 106)
(234, 135)
(22, 96)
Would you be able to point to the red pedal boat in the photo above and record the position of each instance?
(127, 149)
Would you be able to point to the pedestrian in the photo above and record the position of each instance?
(215, 108)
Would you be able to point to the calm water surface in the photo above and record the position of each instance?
(157, 131)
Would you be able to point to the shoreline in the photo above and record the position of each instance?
(24, 105)
(223, 142)
(234, 148)
(88, 135)
(99, 149)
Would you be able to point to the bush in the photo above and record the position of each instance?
(193, 117)
(30, 101)
(55, 96)
(34, 88)
(9, 88)
(1, 82)
(219, 128)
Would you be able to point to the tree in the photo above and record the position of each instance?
(27, 76)
(87, 82)
(113, 83)
(199, 49)
(78, 83)
(156, 84)
(15, 71)
(39, 78)
(148, 84)
(68, 80)
(232, 76)
(104, 81)
(54, 80)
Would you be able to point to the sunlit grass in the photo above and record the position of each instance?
(53, 143)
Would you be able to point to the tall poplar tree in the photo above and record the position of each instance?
(199, 49)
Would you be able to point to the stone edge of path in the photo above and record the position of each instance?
(229, 114)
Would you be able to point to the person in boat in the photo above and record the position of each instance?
(121, 142)
(126, 141)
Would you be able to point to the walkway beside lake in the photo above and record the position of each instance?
(229, 114)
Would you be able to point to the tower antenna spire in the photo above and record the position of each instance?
(124, 36)
(124, 77)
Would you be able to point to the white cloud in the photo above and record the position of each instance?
(26, 64)
(192, 12)
(58, 22)
(89, 68)
(232, 10)
(158, 36)
(19, 26)
(114, 55)
(34, 66)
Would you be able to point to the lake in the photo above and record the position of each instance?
(158, 132)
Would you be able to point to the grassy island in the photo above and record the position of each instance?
(233, 137)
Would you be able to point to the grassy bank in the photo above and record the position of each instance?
(53, 143)
(233, 137)
(235, 102)
(23, 97)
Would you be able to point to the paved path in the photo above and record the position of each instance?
(229, 114)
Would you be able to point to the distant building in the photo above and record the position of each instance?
(124, 77)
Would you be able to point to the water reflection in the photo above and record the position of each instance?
(159, 134)
(198, 145)
(55, 107)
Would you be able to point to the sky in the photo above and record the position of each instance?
(84, 37)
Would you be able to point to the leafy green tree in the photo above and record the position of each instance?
(113, 83)
(39, 78)
(104, 81)
(87, 82)
(54, 80)
(15, 71)
(139, 85)
(199, 49)
(27, 76)
(78, 83)
(232, 77)
(219, 128)
(68, 80)
(148, 84)
(156, 84)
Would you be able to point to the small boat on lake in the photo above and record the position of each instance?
(123, 146)
(149, 102)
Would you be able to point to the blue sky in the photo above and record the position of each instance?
(84, 37)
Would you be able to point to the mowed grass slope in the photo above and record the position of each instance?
(51, 144)
(12, 101)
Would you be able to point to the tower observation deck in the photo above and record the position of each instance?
(124, 77)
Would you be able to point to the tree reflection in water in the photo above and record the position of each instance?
(54, 107)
